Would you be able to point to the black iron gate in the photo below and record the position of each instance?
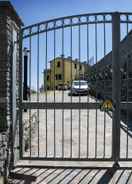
(60, 116)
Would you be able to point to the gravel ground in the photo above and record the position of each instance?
(72, 133)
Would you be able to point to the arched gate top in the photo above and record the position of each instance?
(74, 20)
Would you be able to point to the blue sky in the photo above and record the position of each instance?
(33, 11)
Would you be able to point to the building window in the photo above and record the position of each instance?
(47, 77)
(75, 66)
(80, 67)
(58, 64)
(58, 77)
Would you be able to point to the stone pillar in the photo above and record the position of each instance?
(10, 24)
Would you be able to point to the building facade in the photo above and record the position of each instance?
(63, 71)
(103, 71)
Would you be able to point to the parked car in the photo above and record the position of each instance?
(79, 87)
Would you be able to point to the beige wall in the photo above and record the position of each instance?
(72, 74)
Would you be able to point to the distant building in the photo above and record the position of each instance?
(125, 51)
(63, 71)
(104, 68)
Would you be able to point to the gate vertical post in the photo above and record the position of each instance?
(25, 74)
(20, 93)
(116, 81)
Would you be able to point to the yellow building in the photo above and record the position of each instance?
(63, 71)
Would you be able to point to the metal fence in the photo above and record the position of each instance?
(55, 123)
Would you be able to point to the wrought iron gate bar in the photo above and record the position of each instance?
(38, 68)
(88, 62)
(54, 22)
(63, 73)
(104, 140)
(71, 114)
(46, 61)
(68, 159)
(96, 60)
(126, 105)
(65, 26)
(76, 16)
(42, 105)
(54, 92)
(127, 97)
(74, 128)
(20, 92)
(116, 85)
(30, 73)
(79, 57)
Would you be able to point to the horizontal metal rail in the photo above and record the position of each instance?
(69, 25)
(126, 105)
(77, 16)
(64, 26)
(71, 22)
(71, 17)
(66, 159)
(36, 105)
(66, 105)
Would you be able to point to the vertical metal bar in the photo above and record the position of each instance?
(96, 86)
(46, 60)
(127, 114)
(54, 91)
(25, 74)
(116, 85)
(38, 85)
(104, 150)
(20, 93)
(104, 141)
(63, 74)
(127, 78)
(30, 55)
(54, 85)
(88, 94)
(71, 88)
(79, 57)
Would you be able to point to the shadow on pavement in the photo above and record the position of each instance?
(68, 175)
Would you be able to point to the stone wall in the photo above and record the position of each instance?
(3, 64)
(10, 23)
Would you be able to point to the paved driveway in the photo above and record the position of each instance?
(72, 133)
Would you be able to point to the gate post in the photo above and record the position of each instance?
(116, 81)
(25, 86)
(20, 93)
